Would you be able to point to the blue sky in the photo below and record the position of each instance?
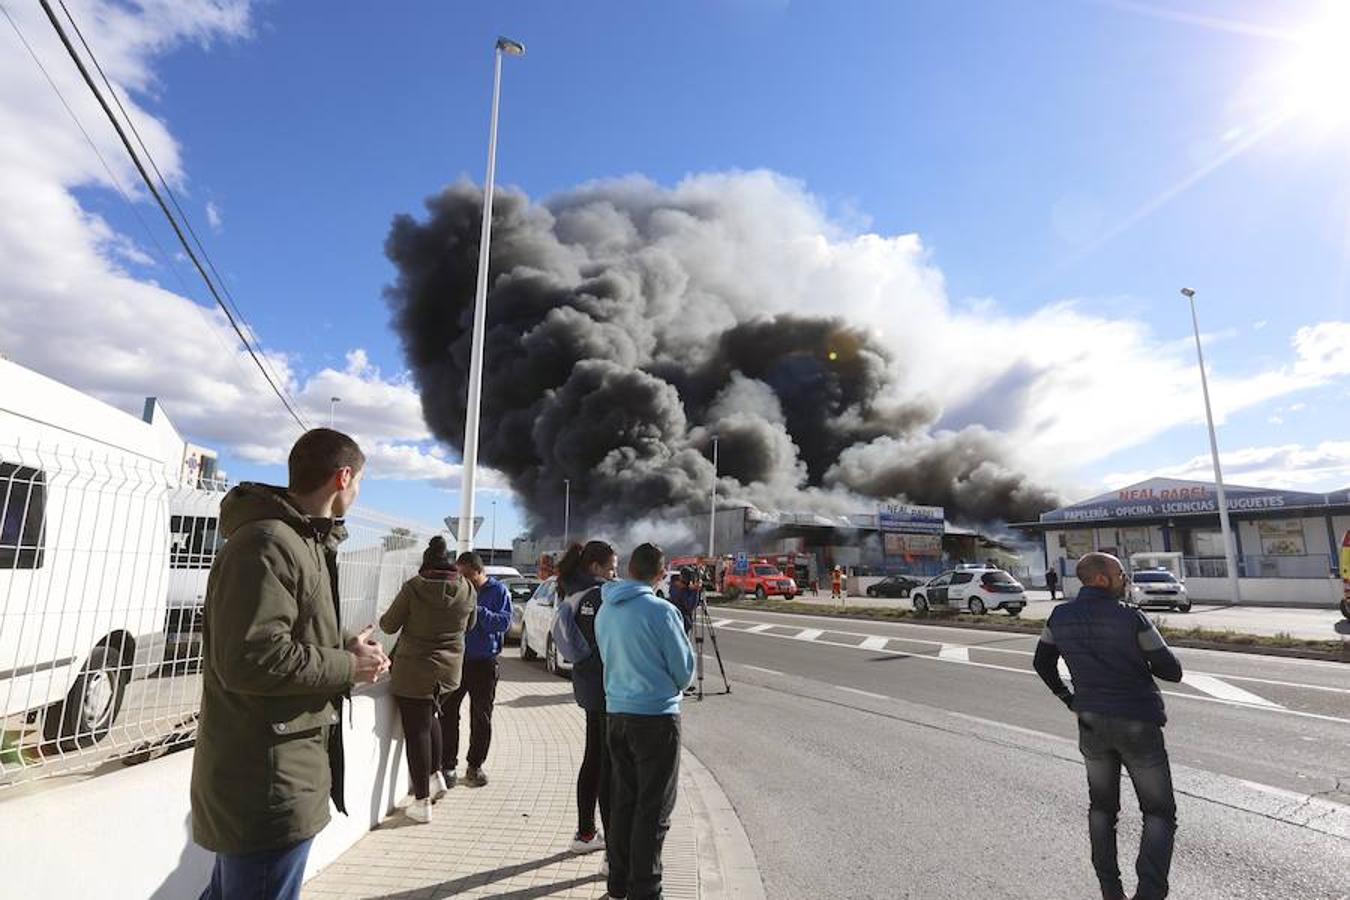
(1013, 137)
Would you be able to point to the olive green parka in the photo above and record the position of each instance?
(430, 616)
(274, 673)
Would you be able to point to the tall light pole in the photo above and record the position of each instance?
(567, 513)
(494, 531)
(1229, 551)
(332, 405)
(712, 510)
(504, 46)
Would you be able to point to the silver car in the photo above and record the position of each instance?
(521, 588)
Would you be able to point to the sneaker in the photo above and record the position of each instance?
(438, 786)
(408, 800)
(420, 811)
(450, 777)
(582, 843)
(475, 777)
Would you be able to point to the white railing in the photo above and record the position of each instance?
(103, 567)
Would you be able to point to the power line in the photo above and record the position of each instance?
(159, 198)
(164, 183)
(122, 191)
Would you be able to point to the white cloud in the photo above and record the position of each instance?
(213, 217)
(73, 312)
(1323, 467)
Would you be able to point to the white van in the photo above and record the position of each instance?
(84, 552)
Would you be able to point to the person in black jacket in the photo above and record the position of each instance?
(581, 573)
(1113, 654)
(1051, 582)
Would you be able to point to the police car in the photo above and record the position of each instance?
(976, 589)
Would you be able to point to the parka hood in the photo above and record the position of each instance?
(250, 502)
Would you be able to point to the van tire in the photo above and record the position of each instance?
(919, 602)
(976, 606)
(525, 652)
(733, 593)
(760, 594)
(91, 706)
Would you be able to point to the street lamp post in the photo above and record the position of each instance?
(712, 509)
(494, 530)
(567, 513)
(332, 406)
(504, 46)
(1229, 552)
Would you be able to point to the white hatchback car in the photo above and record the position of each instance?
(975, 589)
(536, 638)
(1159, 587)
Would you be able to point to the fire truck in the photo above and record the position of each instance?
(761, 578)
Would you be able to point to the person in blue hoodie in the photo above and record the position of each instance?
(648, 664)
(482, 646)
(582, 572)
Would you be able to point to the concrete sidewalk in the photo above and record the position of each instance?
(510, 838)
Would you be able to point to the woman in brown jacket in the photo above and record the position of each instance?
(432, 611)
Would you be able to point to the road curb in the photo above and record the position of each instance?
(728, 869)
(1033, 628)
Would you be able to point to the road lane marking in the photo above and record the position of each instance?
(809, 634)
(718, 623)
(1264, 705)
(875, 643)
(761, 669)
(1223, 690)
(862, 692)
(758, 629)
(955, 652)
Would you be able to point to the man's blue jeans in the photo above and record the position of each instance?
(1108, 742)
(265, 875)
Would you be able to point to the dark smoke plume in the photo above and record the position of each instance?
(612, 360)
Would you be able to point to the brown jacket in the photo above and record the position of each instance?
(432, 615)
(274, 672)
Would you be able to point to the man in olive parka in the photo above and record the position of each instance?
(276, 665)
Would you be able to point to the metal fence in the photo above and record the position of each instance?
(103, 567)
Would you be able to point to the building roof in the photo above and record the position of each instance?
(1170, 498)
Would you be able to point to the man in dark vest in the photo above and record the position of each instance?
(1113, 653)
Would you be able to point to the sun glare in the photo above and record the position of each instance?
(1313, 81)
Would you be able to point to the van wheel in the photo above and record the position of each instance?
(87, 714)
(1183, 607)
(525, 652)
(733, 593)
(760, 594)
(920, 603)
(976, 606)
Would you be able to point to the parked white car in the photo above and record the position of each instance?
(536, 638)
(1159, 587)
(521, 588)
(975, 589)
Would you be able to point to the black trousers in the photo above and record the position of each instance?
(421, 742)
(1107, 743)
(644, 754)
(594, 776)
(479, 683)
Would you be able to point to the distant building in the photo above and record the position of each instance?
(1286, 541)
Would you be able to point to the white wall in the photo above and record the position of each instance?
(1309, 592)
(126, 833)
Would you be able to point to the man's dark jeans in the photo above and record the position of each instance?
(644, 758)
(479, 682)
(1106, 743)
(266, 875)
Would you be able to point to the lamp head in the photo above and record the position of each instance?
(1187, 293)
(510, 47)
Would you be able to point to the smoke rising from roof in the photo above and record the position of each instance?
(621, 337)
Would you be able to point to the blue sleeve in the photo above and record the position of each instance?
(494, 609)
(571, 642)
(675, 649)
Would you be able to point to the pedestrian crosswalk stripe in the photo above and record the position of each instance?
(1223, 690)
(874, 643)
(756, 629)
(955, 651)
(810, 634)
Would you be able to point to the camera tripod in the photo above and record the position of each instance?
(703, 629)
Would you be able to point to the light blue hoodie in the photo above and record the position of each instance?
(648, 660)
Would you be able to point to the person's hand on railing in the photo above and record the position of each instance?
(371, 660)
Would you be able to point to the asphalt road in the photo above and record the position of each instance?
(873, 760)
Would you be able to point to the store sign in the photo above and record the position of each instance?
(913, 544)
(901, 518)
(1163, 497)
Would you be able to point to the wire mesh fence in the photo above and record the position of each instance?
(104, 560)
